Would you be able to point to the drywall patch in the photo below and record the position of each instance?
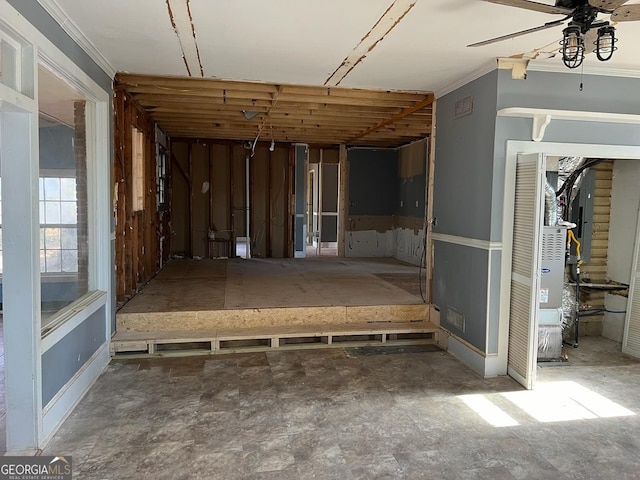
(184, 28)
(387, 22)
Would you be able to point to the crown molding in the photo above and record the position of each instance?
(470, 77)
(557, 67)
(60, 16)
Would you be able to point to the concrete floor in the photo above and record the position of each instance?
(356, 414)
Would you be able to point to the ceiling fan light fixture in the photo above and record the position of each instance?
(572, 46)
(605, 43)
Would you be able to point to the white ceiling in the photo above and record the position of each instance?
(305, 41)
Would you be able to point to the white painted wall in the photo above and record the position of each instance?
(625, 200)
(408, 246)
(369, 243)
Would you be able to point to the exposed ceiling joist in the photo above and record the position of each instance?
(232, 110)
(399, 116)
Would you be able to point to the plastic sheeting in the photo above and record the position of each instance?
(549, 342)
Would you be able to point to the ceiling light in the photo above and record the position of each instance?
(606, 43)
(572, 46)
(272, 147)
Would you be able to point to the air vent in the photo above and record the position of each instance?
(455, 318)
(463, 107)
(553, 244)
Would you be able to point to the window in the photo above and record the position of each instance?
(137, 152)
(58, 225)
(161, 179)
(16, 70)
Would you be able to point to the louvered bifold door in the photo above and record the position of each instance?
(525, 268)
(631, 339)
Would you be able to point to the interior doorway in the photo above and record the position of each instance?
(598, 270)
(322, 206)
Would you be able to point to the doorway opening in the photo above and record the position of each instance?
(322, 204)
(582, 257)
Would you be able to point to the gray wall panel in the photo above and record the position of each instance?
(493, 314)
(464, 161)
(61, 362)
(40, 18)
(460, 283)
(410, 191)
(561, 91)
(372, 181)
(56, 148)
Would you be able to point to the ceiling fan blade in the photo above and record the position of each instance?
(518, 34)
(626, 13)
(535, 6)
(607, 4)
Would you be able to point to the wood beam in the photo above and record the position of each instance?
(407, 111)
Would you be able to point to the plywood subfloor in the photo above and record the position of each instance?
(236, 293)
(197, 285)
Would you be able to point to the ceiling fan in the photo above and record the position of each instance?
(584, 28)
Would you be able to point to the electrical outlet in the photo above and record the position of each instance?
(417, 201)
(401, 203)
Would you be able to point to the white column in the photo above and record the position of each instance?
(21, 278)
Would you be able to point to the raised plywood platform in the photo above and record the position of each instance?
(266, 338)
(230, 294)
(223, 306)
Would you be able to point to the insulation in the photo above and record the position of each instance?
(568, 305)
(567, 166)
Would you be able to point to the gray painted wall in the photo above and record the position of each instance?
(61, 362)
(560, 91)
(372, 181)
(410, 191)
(486, 184)
(56, 148)
(463, 206)
(464, 161)
(460, 283)
(40, 18)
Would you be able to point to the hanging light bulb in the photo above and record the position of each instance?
(572, 46)
(272, 147)
(606, 43)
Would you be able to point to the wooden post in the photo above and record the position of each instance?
(232, 233)
(342, 200)
(430, 181)
(269, 189)
(210, 248)
(291, 203)
(189, 172)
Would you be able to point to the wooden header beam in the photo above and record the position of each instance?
(398, 116)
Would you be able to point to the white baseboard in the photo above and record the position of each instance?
(61, 406)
